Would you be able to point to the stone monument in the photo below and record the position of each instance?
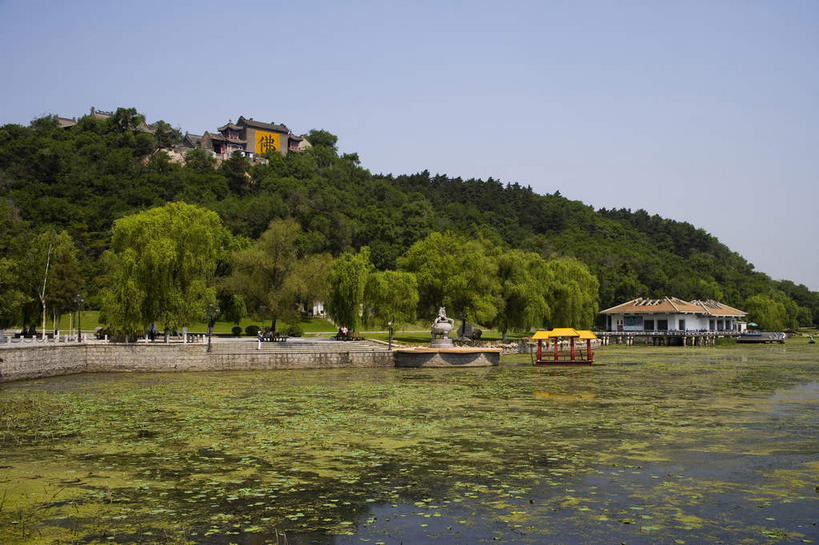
(442, 353)
(440, 330)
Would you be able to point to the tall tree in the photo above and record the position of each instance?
(456, 273)
(766, 312)
(260, 272)
(65, 277)
(162, 264)
(15, 243)
(525, 279)
(572, 294)
(348, 278)
(165, 135)
(49, 271)
(310, 279)
(433, 261)
(390, 296)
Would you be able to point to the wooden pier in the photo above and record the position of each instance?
(665, 338)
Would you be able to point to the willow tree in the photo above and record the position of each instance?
(456, 273)
(433, 260)
(348, 278)
(390, 296)
(161, 266)
(767, 312)
(525, 279)
(571, 293)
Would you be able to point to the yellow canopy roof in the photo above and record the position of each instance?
(556, 332)
(586, 334)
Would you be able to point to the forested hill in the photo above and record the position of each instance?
(80, 179)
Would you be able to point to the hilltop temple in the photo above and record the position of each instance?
(249, 137)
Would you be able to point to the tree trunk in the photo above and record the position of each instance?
(43, 292)
(504, 335)
(273, 326)
(44, 319)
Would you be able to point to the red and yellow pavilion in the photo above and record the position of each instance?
(575, 356)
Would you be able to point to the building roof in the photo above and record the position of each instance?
(193, 139)
(673, 305)
(259, 125)
(99, 114)
(715, 308)
(229, 125)
(64, 122)
(653, 306)
(221, 138)
(556, 332)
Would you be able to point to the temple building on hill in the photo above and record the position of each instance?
(673, 314)
(250, 137)
(68, 122)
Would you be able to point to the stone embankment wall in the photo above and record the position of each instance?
(46, 361)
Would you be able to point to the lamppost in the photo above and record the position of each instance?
(389, 327)
(213, 310)
(78, 300)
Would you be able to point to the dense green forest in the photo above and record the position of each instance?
(62, 189)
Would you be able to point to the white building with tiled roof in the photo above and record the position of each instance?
(672, 314)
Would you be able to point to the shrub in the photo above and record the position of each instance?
(237, 331)
(252, 330)
(295, 330)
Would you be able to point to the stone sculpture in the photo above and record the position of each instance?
(441, 328)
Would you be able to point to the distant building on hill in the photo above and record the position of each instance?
(673, 314)
(68, 122)
(250, 137)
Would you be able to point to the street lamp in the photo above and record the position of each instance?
(389, 326)
(213, 310)
(78, 300)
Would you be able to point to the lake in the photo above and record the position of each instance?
(655, 445)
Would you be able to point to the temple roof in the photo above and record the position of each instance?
(261, 125)
(222, 138)
(64, 122)
(229, 125)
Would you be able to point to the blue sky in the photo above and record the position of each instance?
(706, 112)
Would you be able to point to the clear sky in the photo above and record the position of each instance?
(706, 112)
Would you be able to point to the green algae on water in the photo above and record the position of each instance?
(657, 445)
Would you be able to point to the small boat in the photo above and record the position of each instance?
(762, 337)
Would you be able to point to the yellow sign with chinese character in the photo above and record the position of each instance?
(267, 141)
